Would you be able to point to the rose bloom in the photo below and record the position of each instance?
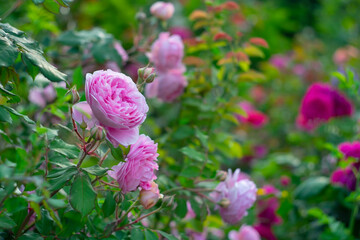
(345, 177)
(167, 52)
(241, 194)
(167, 86)
(320, 103)
(254, 117)
(113, 102)
(350, 149)
(138, 168)
(245, 233)
(162, 10)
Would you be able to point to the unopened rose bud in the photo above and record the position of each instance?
(83, 125)
(146, 74)
(98, 133)
(221, 175)
(224, 202)
(162, 10)
(75, 95)
(140, 16)
(148, 198)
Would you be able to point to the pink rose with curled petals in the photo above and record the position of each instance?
(167, 86)
(138, 168)
(245, 233)
(113, 102)
(321, 103)
(167, 52)
(240, 193)
(350, 149)
(162, 10)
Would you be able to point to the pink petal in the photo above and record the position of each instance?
(83, 113)
(123, 137)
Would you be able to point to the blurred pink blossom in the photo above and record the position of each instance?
(254, 117)
(241, 194)
(245, 233)
(350, 149)
(162, 10)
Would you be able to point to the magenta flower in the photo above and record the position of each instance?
(190, 212)
(345, 177)
(254, 117)
(265, 231)
(350, 149)
(167, 86)
(183, 32)
(115, 103)
(138, 168)
(245, 233)
(167, 53)
(240, 193)
(162, 10)
(320, 103)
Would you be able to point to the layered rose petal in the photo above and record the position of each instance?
(241, 194)
(167, 52)
(115, 99)
(123, 137)
(138, 168)
(82, 113)
(245, 233)
(350, 149)
(167, 86)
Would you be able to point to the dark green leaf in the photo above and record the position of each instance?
(78, 78)
(193, 154)
(167, 236)
(150, 235)
(190, 171)
(202, 137)
(96, 170)
(8, 52)
(5, 115)
(109, 205)
(16, 113)
(64, 148)
(52, 6)
(136, 234)
(6, 222)
(181, 208)
(59, 177)
(311, 187)
(82, 194)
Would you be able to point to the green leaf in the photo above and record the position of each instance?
(193, 154)
(150, 235)
(202, 137)
(31, 236)
(38, 1)
(5, 115)
(190, 171)
(8, 52)
(96, 170)
(181, 208)
(109, 205)
(136, 234)
(64, 148)
(6, 222)
(58, 177)
(16, 113)
(117, 153)
(78, 78)
(82, 194)
(52, 6)
(311, 187)
(167, 236)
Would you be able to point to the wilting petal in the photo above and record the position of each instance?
(123, 137)
(83, 113)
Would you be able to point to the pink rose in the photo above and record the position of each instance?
(148, 198)
(43, 96)
(167, 52)
(162, 10)
(241, 194)
(115, 103)
(245, 233)
(320, 103)
(138, 168)
(350, 149)
(167, 86)
(254, 117)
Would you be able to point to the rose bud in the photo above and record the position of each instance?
(221, 175)
(146, 74)
(148, 198)
(162, 10)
